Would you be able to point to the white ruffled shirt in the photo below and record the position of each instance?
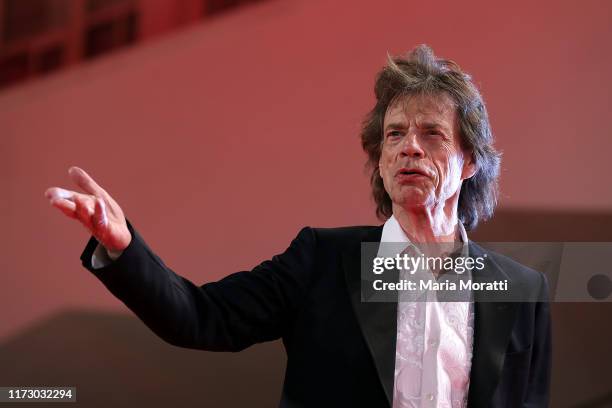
(434, 344)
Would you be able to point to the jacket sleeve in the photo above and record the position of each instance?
(227, 315)
(538, 387)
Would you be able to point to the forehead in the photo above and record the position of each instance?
(439, 108)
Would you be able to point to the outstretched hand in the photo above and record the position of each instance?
(95, 209)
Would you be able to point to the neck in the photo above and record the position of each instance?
(429, 224)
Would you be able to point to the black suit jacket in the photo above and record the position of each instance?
(340, 351)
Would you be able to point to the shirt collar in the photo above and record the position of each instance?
(393, 232)
(398, 241)
(394, 241)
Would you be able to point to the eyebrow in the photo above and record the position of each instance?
(396, 125)
(432, 125)
(424, 125)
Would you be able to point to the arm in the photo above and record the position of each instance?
(228, 315)
(231, 314)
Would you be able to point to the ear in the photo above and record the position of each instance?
(469, 167)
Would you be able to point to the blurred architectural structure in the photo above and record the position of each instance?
(42, 36)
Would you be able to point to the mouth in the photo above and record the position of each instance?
(411, 172)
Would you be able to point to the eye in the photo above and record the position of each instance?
(394, 134)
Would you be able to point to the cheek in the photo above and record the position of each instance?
(384, 164)
(453, 171)
(385, 175)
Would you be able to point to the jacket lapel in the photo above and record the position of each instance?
(378, 320)
(493, 323)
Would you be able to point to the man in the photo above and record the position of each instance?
(434, 176)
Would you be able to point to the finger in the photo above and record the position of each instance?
(56, 193)
(84, 181)
(84, 210)
(66, 206)
(100, 220)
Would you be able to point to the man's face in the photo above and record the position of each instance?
(422, 163)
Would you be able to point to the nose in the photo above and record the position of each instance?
(411, 147)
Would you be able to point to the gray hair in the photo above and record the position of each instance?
(420, 72)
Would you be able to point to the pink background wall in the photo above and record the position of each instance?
(222, 140)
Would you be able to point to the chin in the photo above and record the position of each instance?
(412, 200)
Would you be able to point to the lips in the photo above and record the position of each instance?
(412, 171)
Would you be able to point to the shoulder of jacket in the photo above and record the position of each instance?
(514, 268)
(345, 236)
